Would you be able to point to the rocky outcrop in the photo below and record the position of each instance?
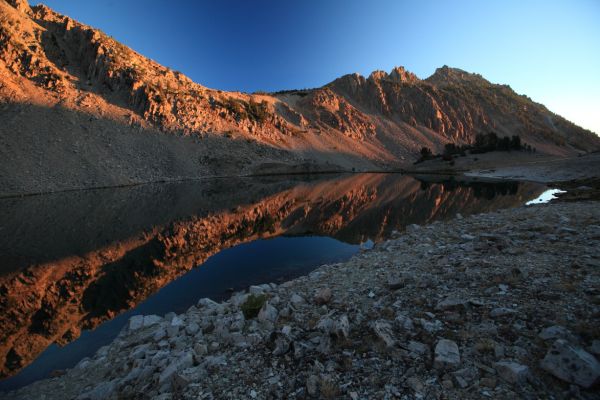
(344, 332)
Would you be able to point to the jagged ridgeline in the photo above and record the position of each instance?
(65, 82)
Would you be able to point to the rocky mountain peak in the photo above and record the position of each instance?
(378, 75)
(349, 82)
(399, 74)
(21, 5)
(446, 75)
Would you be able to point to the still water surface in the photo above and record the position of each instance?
(77, 265)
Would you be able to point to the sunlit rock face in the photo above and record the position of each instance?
(66, 84)
(74, 260)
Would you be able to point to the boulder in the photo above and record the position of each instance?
(267, 313)
(450, 303)
(136, 322)
(512, 372)
(556, 332)
(181, 363)
(150, 320)
(192, 328)
(447, 355)
(383, 330)
(102, 391)
(342, 327)
(417, 349)
(571, 364)
(297, 300)
(323, 296)
(501, 312)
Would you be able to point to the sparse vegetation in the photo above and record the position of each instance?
(482, 144)
(241, 109)
(251, 307)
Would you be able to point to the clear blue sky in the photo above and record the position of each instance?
(549, 50)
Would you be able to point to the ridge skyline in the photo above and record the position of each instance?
(546, 54)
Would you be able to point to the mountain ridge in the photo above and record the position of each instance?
(96, 86)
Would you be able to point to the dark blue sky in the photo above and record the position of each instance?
(549, 50)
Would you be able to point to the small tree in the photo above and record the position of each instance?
(503, 144)
(426, 153)
(515, 142)
(450, 148)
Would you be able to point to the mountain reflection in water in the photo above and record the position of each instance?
(74, 260)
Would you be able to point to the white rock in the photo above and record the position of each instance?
(102, 391)
(192, 328)
(200, 349)
(160, 334)
(207, 303)
(323, 296)
(465, 376)
(260, 289)
(267, 313)
(418, 348)
(326, 325)
(239, 298)
(256, 290)
(556, 332)
(139, 351)
(297, 300)
(282, 345)
(169, 316)
(447, 355)
(150, 320)
(571, 364)
(405, 322)
(501, 311)
(172, 330)
(413, 228)
(286, 330)
(383, 330)
(342, 326)
(136, 322)
(215, 361)
(450, 303)
(431, 326)
(183, 362)
(512, 372)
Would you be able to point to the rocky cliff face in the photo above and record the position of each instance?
(50, 60)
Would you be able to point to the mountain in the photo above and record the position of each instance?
(79, 109)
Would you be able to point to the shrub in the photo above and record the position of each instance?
(258, 111)
(426, 153)
(251, 307)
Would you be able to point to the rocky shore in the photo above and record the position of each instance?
(498, 305)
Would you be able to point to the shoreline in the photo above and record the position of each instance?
(576, 168)
(387, 322)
